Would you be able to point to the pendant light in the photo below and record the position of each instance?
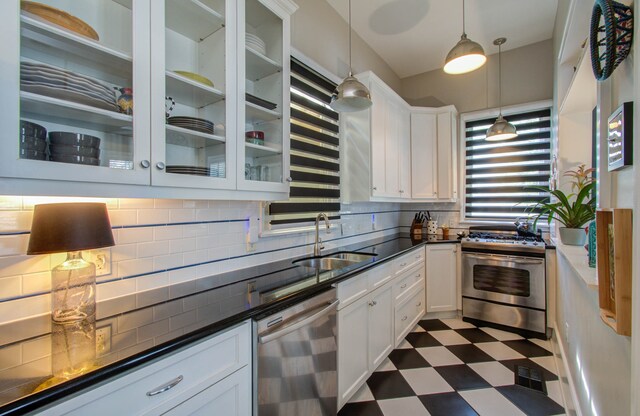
(466, 56)
(501, 129)
(351, 95)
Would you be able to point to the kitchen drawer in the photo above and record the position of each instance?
(190, 371)
(408, 314)
(404, 283)
(380, 275)
(409, 260)
(353, 289)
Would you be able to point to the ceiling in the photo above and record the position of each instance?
(414, 36)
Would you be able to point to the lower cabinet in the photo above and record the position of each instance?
(408, 312)
(365, 338)
(442, 278)
(212, 376)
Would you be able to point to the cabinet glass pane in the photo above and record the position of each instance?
(195, 87)
(263, 105)
(76, 70)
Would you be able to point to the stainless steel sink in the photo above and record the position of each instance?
(334, 261)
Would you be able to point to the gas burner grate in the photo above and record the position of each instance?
(530, 378)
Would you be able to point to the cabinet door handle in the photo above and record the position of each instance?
(419, 304)
(145, 164)
(160, 165)
(373, 303)
(405, 318)
(375, 188)
(403, 286)
(403, 264)
(165, 387)
(418, 275)
(289, 179)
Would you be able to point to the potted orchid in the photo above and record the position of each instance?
(572, 210)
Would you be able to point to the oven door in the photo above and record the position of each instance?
(513, 280)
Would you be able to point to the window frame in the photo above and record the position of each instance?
(264, 227)
(462, 152)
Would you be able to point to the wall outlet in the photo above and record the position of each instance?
(103, 340)
(102, 259)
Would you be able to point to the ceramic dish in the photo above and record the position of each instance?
(33, 143)
(259, 142)
(68, 95)
(192, 123)
(57, 149)
(255, 134)
(70, 86)
(80, 160)
(67, 81)
(28, 128)
(32, 154)
(60, 18)
(195, 77)
(54, 70)
(73, 139)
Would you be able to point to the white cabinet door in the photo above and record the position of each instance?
(424, 157)
(446, 153)
(229, 397)
(378, 142)
(392, 149)
(441, 277)
(404, 160)
(353, 336)
(381, 334)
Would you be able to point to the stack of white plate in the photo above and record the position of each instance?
(66, 85)
(255, 43)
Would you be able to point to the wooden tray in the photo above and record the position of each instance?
(60, 18)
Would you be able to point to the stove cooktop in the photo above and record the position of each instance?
(503, 241)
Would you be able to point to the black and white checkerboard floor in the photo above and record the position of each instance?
(447, 367)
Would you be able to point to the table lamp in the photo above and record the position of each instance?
(71, 228)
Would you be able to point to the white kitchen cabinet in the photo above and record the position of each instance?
(141, 45)
(409, 311)
(433, 154)
(376, 146)
(353, 347)
(442, 279)
(178, 384)
(380, 325)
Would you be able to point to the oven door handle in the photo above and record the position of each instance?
(522, 261)
(511, 259)
(481, 256)
(293, 327)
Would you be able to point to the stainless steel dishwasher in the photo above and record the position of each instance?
(295, 353)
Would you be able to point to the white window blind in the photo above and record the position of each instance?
(500, 175)
(315, 151)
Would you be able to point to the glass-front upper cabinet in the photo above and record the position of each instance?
(263, 142)
(193, 111)
(69, 86)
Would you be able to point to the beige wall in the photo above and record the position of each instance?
(319, 32)
(479, 89)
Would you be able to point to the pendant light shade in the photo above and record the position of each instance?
(466, 56)
(351, 95)
(501, 128)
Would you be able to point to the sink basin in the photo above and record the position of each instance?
(334, 261)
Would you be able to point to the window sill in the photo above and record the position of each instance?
(576, 256)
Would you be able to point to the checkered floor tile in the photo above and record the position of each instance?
(451, 368)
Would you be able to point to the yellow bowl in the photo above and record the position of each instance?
(196, 77)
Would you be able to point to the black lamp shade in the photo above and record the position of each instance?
(58, 228)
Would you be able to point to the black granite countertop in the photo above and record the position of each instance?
(157, 322)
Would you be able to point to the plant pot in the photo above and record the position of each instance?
(573, 236)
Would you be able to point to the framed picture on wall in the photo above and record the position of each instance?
(620, 137)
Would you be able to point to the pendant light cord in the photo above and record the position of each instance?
(500, 78)
(350, 68)
(464, 32)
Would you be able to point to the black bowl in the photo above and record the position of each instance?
(30, 129)
(33, 143)
(32, 154)
(73, 139)
(58, 149)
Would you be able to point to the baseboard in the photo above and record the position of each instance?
(442, 315)
(571, 395)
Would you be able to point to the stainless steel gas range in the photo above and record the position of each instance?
(504, 280)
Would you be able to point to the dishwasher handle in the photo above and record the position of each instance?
(293, 327)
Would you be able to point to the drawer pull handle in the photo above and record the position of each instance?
(403, 264)
(403, 286)
(165, 387)
(373, 303)
(418, 275)
(419, 304)
(405, 318)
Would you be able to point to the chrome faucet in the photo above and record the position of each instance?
(318, 245)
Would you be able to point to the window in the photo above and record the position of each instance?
(315, 152)
(499, 176)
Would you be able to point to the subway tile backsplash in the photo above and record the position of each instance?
(165, 242)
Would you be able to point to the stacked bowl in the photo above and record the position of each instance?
(33, 141)
(69, 147)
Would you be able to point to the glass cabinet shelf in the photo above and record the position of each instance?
(192, 18)
(190, 92)
(190, 138)
(260, 66)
